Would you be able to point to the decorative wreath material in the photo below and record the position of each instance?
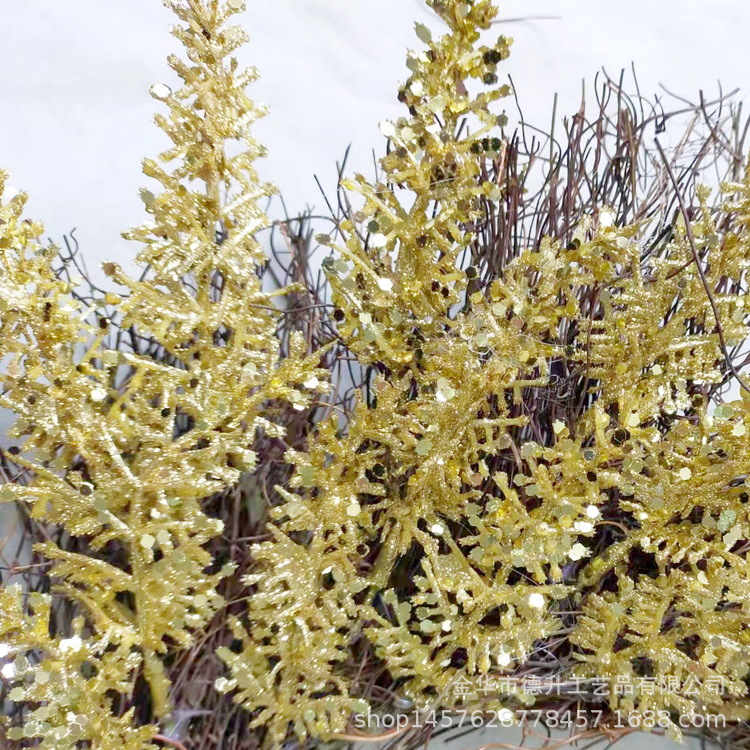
(537, 494)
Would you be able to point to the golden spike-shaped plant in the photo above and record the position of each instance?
(392, 509)
(72, 689)
(660, 564)
(671, 468)
(57, 394)
(123, 448)
(445, 519)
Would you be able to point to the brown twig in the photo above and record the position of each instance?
(169, 741)
(696, 258)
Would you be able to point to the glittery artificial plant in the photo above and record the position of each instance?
(443, 528)
(539, 454)
(122, 448)
(393, 509)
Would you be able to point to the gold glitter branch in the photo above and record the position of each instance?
(122, 448)
(447, 526)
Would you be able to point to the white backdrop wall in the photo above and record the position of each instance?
(75, 74)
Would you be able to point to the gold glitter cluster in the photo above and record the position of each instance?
(123, 448)
(450, 532)
(441, 531)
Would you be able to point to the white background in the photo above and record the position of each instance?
(75, 74)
